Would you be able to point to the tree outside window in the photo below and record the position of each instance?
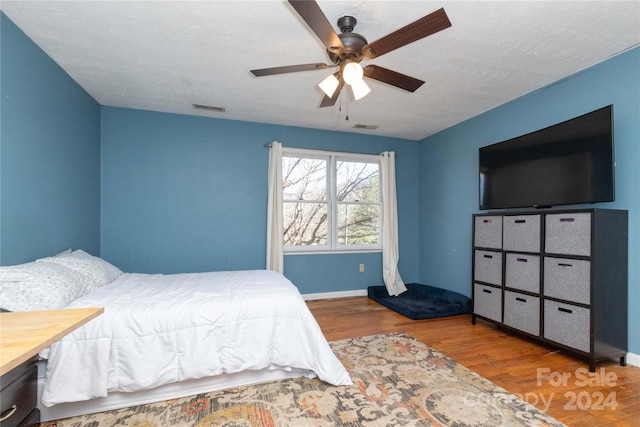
(331, 201)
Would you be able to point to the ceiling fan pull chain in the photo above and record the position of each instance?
(347, 102)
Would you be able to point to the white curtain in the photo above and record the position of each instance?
(275, 257)
(390, 254)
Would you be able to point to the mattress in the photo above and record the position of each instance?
(162, 329)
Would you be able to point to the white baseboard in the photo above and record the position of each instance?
(633, 359)
(340, 294)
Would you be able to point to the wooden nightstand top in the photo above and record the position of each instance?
(25, 334)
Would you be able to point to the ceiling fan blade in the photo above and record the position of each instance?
(289, 69)
(423, 27)
(331, 101)
(393, 78)
(311, 13)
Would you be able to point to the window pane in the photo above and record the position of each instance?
(358, 224)
(304, 179)
(357, 181)
(305, 223)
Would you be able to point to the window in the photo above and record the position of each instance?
(331, 201)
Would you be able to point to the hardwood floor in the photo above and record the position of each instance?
(555, 382)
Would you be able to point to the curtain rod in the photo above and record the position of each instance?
(268, 145)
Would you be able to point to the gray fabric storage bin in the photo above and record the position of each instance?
(522, 272)
(487, 302)
(567, 279)
(568, 234)
(521, 233)
(522, 312)
(488, 267)
(488, 232)
(567, 324)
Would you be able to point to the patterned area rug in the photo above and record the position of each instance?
(398, 381)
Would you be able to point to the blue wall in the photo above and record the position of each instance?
(50, 155)
(449, 169)
(183, 193)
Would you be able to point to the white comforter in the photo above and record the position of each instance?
(158, 329)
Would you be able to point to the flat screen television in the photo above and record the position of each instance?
(565, 164)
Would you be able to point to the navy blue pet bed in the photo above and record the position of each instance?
(422, 301)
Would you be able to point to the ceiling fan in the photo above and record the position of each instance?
(347, 49)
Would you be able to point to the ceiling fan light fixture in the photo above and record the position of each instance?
(329, 85)
(347, 49)
(352, 73)
(360, 89)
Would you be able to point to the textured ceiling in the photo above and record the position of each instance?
(167, 55)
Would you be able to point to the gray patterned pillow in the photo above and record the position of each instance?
(41, 286)
(97, 269)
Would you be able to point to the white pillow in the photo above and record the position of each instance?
(97, 269)
(41, 286)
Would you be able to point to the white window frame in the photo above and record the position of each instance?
(332, 246)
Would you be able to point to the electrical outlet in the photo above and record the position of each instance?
(361, 268)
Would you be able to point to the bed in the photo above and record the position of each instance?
(167, 336)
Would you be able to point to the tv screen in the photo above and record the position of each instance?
(565, 164)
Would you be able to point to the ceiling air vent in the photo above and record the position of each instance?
(209, 108)
(370, 127)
